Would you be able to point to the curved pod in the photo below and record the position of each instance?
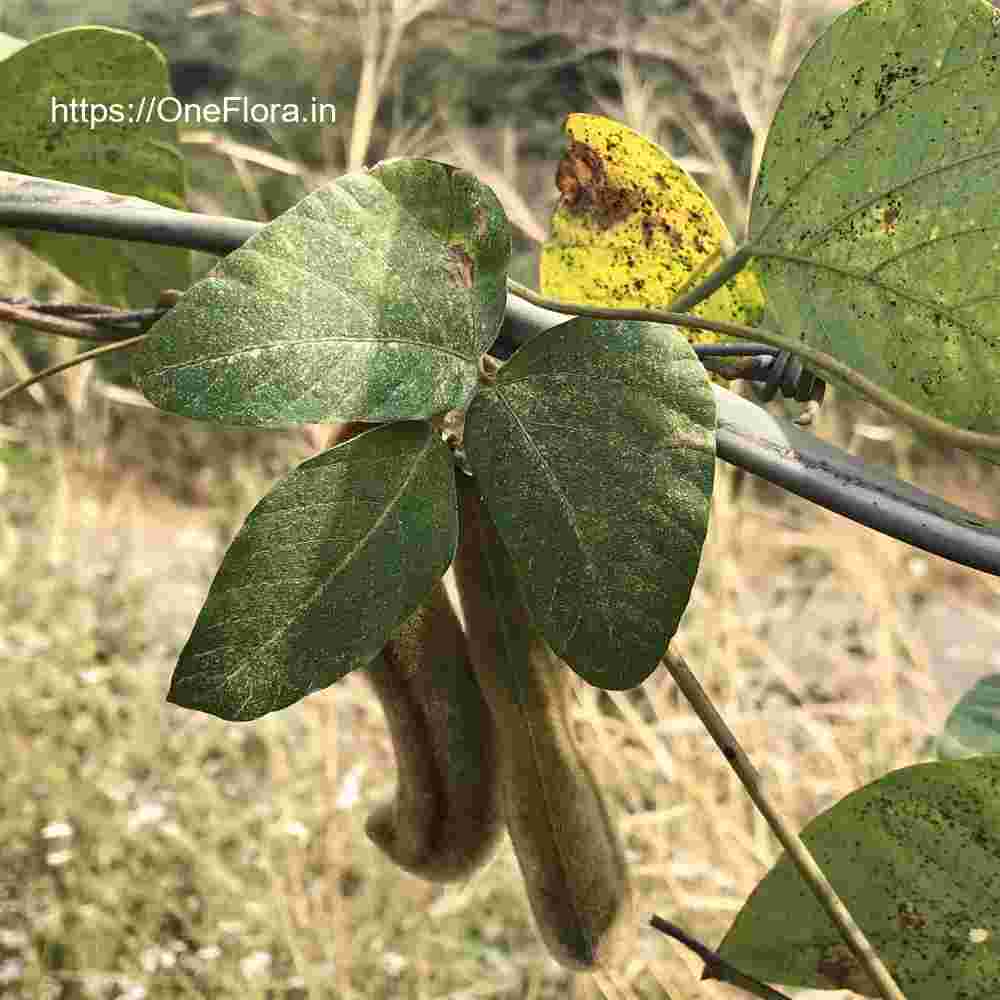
(445, 820)
(565, 842)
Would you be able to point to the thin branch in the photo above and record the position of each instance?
(63, 365)
(790, 840)
(78, 329)
(248, 154)
(106, 316)
(818, 360)
(78, 320)
(59, 207)
(716, 967)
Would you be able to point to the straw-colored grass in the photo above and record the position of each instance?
(174, 854)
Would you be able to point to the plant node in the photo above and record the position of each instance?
(488, 368)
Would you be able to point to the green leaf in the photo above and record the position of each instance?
(105, 67)
(875, 218)
(914, 857)
(9, 45)
(371, 299)
(321, 573)
(973, 727)
(596, 451)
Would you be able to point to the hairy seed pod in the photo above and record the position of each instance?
(445, 820)
(565, 842)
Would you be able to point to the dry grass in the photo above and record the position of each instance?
(178, 855)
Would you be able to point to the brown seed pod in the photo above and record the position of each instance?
(445, 820)
(565, 842)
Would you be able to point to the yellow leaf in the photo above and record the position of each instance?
(633, 230)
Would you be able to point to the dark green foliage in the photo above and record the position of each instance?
(321, 573)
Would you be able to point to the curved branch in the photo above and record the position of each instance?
(77, 359)
(821, 362)
(748, 436)
(38, 203)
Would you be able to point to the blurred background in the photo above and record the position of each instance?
(150, 851)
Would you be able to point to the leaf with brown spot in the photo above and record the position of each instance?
(371, 299)
(913, 856)
(462, 266)
(875, 219)
(633, 230)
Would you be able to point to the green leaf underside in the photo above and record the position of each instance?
(596, 449)
(322, 572)
(914, 857)
(104, 67)
(371, 299)
(875, 219)
(973, 726)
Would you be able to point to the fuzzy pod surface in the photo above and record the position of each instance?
(445, 821)
(566, 844)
